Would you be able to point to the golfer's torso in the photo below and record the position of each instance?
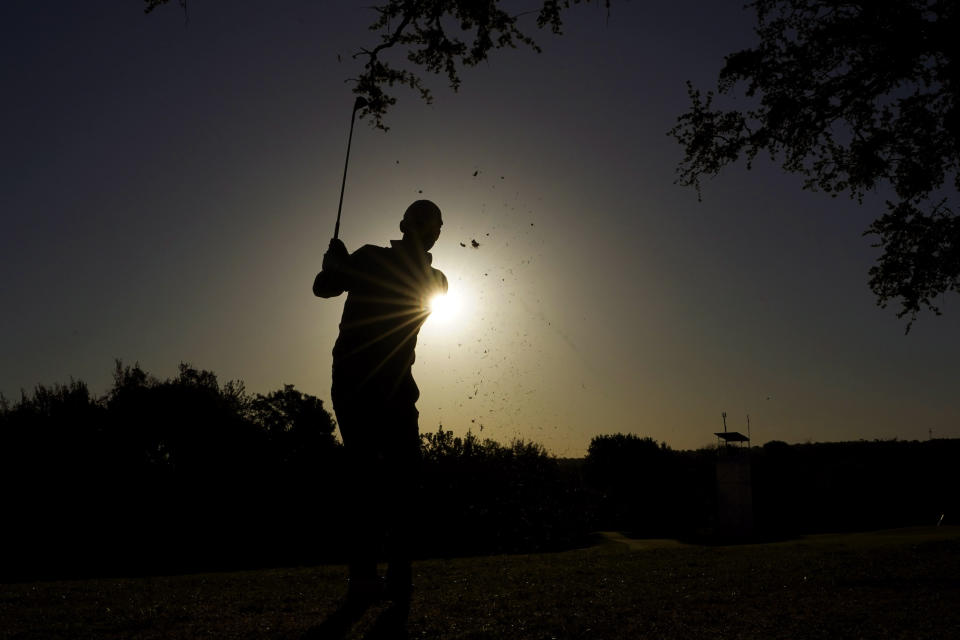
(383, 313)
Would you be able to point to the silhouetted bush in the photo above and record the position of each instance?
(168, 475)
(842, 486)
(480, 496)
(646, 488)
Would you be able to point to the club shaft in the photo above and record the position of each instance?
(343, 184)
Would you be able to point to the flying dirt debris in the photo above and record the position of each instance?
(474, 244)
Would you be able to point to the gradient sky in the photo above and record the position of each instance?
(167, 192)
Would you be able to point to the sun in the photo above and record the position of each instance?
(444, 308)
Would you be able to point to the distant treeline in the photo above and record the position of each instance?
(189, 474)
(651, 490)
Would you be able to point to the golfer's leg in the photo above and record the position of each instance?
(359, 482)
(362, 525)
(402, 516)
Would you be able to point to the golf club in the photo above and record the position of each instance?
(358, 104)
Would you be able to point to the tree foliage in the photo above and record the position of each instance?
(153, 4)
(646, 487)
(441, 37)
(177, 473)
(479, 496)
(853, 97)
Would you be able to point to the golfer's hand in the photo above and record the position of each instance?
(336, 256)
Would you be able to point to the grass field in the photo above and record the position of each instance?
(902, 583)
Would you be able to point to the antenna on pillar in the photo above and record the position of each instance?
(748, 426)
(724, 438)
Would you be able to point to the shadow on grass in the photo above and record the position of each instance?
(390, 624)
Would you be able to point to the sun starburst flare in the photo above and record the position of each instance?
(444, 308)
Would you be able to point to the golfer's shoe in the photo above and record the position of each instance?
(399, 585)
(399, 592)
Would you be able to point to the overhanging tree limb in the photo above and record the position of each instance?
(853, 97)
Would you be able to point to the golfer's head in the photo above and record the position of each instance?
(421, 223)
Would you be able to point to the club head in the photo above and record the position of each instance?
(360, 103)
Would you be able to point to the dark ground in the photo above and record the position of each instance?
(902, 583)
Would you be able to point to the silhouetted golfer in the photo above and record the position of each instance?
(374, 394)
